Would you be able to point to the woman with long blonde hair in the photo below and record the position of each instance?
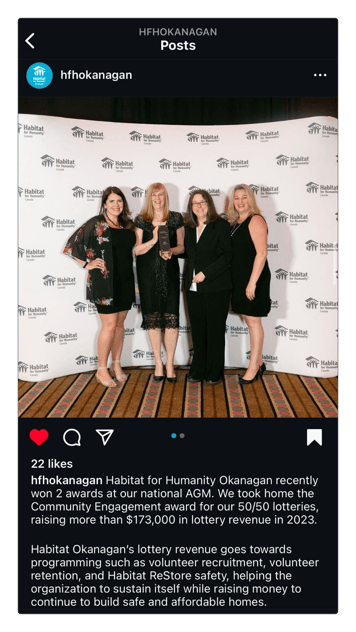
(158, 275)
(250, 272)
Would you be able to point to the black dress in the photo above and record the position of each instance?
(244, 253)
(158, 280)
(123, 277)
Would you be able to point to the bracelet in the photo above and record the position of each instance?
(85, 265)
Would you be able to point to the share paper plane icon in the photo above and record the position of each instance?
(105, 435)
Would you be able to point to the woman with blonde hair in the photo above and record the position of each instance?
(250, 272)
(158, 275)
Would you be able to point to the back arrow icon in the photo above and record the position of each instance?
(28, 42)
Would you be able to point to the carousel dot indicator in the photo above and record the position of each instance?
(182, 435)
(173, 435)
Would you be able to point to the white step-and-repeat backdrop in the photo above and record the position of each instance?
(64, 166)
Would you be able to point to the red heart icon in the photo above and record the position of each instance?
(39, 436)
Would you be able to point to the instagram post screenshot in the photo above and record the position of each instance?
(178, 316)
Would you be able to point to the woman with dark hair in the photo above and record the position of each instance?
(158, 275)
(103, 245)
(208, 285)
(250, 272)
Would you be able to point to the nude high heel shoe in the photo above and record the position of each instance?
(109, 383)
(119, 378)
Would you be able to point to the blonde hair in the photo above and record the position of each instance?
(147, 210)
(232, 214)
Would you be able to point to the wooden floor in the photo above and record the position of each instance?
(276, 395)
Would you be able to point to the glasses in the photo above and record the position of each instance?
(196, 204)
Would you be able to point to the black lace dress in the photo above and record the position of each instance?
(158, 280)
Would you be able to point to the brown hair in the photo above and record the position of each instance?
(232, 214)
(124, 219)
(191, 218)
(147, 210)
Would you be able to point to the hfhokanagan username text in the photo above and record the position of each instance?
(89, 75)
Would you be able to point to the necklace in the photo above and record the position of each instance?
(237, 226)
(110, 220)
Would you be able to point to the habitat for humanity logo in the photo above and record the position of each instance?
(81, 308)
(293, 334)
(294, 161)
(213, 192)
(118, 165)
(264, 137)
(324, 306)
(60, 282)
(63, 339)
(178, 166)
(31, 254)
(60, 163)
(39, 75)
(326, 130)
(324, 247)
(29, 131)
(312, 362)
(235, 165)
(138, 353)
(235, 332)
(31, 194)
(252, 135)
(137, 192)
(323, 189)
(267, 191)
(293, 277)
(148, 139)
(90, 135)
(90, 194)
(60, 224)
(35, 369)
(81, 359)
(205, 139)
(32, 312)
(292, 219)
(266, 358)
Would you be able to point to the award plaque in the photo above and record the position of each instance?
(163, 236)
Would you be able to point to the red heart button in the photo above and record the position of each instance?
(39, 436)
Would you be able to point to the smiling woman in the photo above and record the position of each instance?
(104, 246)
(158, 275)
(250, 272)
(208, 285)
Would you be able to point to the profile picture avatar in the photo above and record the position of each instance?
(39, 75)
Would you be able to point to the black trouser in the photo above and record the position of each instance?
(207, 313)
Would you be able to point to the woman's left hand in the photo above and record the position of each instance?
(250, 291)
(199, 278)
(167, 254)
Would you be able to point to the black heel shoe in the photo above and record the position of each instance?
(262, 369)
(172, 380)
(158, 378)
(242, 381)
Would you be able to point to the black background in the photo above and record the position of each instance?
(210, 447)
(247, 58)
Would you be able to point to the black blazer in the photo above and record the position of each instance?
(212, 255)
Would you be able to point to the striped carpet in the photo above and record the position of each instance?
(276, 395)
